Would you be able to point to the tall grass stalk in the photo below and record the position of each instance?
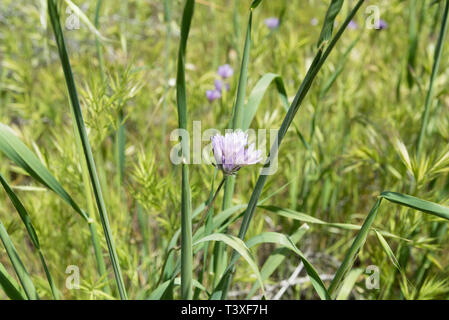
(26, 219)
(167, 46)
(54, 17)
(101, 265)
(440, 228)
(186, 201)
(435, 67)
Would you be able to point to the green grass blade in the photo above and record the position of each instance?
(186, 201)
(401, 199)
(54, 17)
(10, 286)
(16, 150)
(348, 284)
(416, 203)
(328, 25)
(26, 219)
(435, 68)
(276, 258)
(283, 240)
(386, 247)
(97, 40)
(19, 268)
(239, 246)
(256, 95)
(354, 249)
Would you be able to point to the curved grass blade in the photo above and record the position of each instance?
(26, 219)
(276, 258)
(258, 93)
(288, 213)
(283, 240)
(219, 223)
(54, 17)
(239, 246)
(401, 199)
(416, 203)
(354, 249)
(18, 152)
(328, 25)
(19, 268)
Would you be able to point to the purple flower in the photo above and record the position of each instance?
(380, 25)
(272, 23)
(232, 152)
(213, 95)
(353, 25)
(225, 71)
(219, 85)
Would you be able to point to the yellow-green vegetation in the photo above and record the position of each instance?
(91, 92)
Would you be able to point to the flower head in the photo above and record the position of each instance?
(272, 23)
(381, 24)
(212, 95)
(225, 71)
(232, 152)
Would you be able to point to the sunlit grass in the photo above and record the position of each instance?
(374, 119)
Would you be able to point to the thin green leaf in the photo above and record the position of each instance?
(19, 268)
(239, 246)
(348, 284)
(186, 201)
(257, 94)
(76, 109)
(416, 203)
(16, 150)
(10, 286)
(276, 258)
(329, 21)
(26, 219)
(283, 240)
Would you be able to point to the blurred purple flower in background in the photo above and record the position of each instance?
(353, 25)
(381, 24)
(232, 152)
(272, 23)
(213, 95)
(219, 85)
(225, 71)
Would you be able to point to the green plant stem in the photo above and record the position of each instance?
(54, 17)
(167, 20)
(353, 250)
(436, 65)
(186, 201)
(97, 40)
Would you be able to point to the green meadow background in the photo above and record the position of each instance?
(355, 136)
